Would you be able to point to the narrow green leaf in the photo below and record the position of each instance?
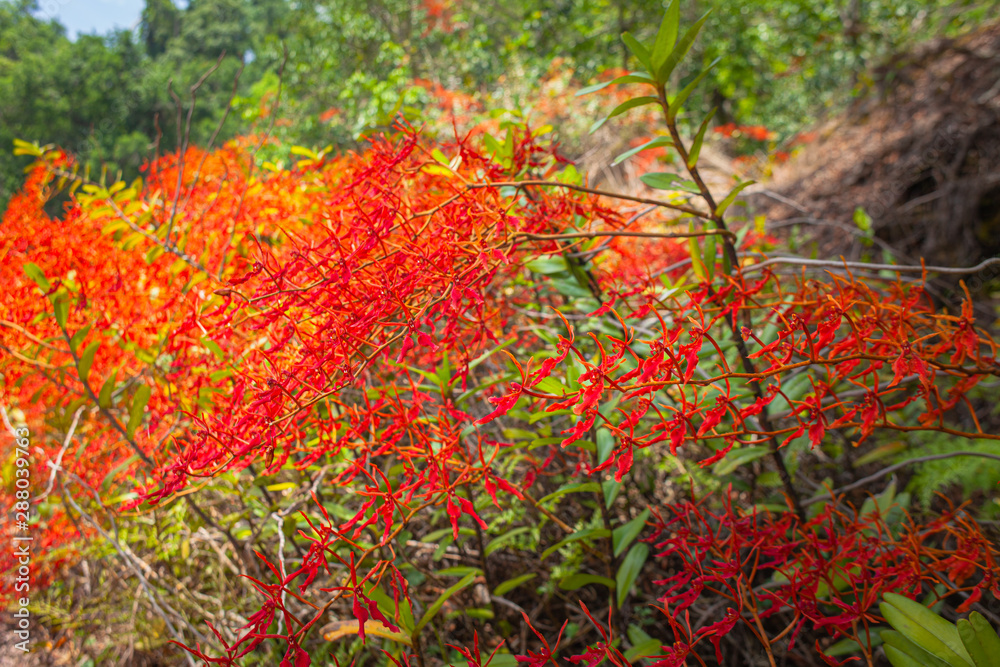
(634, 77)
(629, 570)
(139, 402)
(904, 653)
(281, 486)
(547, 266)
(486, 355)
(498, 542)
(695, 150)
(737, 458)
(696, 262)
(880, 453)
(61, 305)
(214, 347)
(663, 72)
(666, 38)
(574, 487)
(708, 256)
(78, 337)
(985, 633)
(87, 360)
(632, 104)
(850, 647)
(678, 102)
(34, 272)
(645, 649)
(112, 474)
(664, 180)
(575, 581)
(388, 607)
(638, 50)
(652, 143)
(924, 628)
(589, 534)
(104, 398)
(458, 571)
(611, 488)
(731, 197)
(623, 535)
(432, 611)
(972, 644)
(511, 584)
(622, 108)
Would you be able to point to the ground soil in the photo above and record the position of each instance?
(919, 152)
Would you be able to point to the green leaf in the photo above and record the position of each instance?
(112, 474)
(498, 542)
(574, 487)
(388, 606)
(986, 635)
(675, 105)
(880, 453)
(432, 611)
(695, 150)
(663, 72)
(862, 219)
(924, 628)
(500, 660)
(882, 502)
(281, 486)
(623, 535)
(511, 584)
(458, 571)
(486, 355)
(575, 581)
(622, 108)
(708, 256)
(87, 360)
(731, 197)
(667, 181)
(78, 337)
(629, 570)
(547, 266)
(24, 148)
(644, 649)
(61, 305)
(737, 458)
(634, 77)
(850, 647)
(666, 38)
(588, 534)
(139, 402)
(697, 264)
(632, 104)
(638, 50)
(972, 644)
(35, 273)
(904, 653)
(214, 348)
(610, 488)
(104, 398)
(652, 143)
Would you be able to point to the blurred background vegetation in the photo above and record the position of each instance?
(351, 64)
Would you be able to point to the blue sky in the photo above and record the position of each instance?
(90, 16)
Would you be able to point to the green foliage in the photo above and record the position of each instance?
(922, 637)
(99, 97)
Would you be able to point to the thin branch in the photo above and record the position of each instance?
(594, 235)
(592, 191)
(901, 268)
(893, 468)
